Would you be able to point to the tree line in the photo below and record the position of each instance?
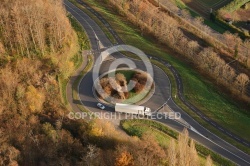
(33, 27)
(169, 31)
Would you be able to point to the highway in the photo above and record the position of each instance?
(162, 92)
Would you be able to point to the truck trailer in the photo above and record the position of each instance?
(132, 109)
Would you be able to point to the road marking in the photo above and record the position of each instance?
(221, 128)
(237, 138)
(245, 143)
(213, 123)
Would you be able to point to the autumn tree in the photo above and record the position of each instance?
(30, 27)
(172, 153)
(35, 99)
(183, 149)
(193, 155)
(124, 159)
(148, 151)
(209, 161)
(241, 82)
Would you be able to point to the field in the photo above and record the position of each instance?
(203, 7)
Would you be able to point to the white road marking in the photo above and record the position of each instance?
(237, 138)
(213, 123)
(221, 128)
(245, 143)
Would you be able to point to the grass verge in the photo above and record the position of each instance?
(198, 90)
(137, 127)
(83, 44)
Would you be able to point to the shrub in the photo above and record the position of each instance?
(121, 79)
(234, 5)
(138, 87)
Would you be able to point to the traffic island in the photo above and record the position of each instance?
(124, 86)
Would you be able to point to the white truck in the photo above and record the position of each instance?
(132, 109)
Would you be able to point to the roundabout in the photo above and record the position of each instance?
(154, 99)
(125, 86)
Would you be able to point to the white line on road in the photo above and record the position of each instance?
(237, 138)
(245, 143)
(206, 118)
(221, 128)
(213, 123)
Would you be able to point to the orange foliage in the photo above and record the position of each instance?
(124, 159)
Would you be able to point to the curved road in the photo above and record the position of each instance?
(162, 94)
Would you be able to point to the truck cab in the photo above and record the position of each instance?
(147, 111)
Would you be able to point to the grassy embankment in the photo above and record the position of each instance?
(163, 134)
(83, 44)
(198, 90)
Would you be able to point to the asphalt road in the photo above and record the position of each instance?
(163, 91)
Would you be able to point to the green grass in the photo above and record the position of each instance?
(128, 74)
(84, 44)
(63, 85)
(134, 97)
(215, 26)
(138, 129)
(163, 134)
(82, 36)
(180, 4)
(198, 90)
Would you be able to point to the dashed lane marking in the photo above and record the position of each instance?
(213, 123)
